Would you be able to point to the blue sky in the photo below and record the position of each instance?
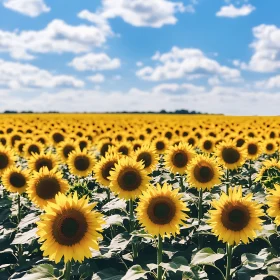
(212, 56)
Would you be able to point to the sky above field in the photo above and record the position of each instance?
(211, 56)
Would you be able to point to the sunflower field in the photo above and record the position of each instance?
(110, 196)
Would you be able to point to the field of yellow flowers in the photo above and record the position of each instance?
(92, 196)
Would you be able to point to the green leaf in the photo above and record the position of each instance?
(194, 273)
(4, 215)
(116, 203)
(119, 242)
(28, 220)
(135, 272)
(7, 257)
(252, 261)
(25, 237)
(42, 272)
(113, 220)
(205, 256)
(178, 263)
(107, 274)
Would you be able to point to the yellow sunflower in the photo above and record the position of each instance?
(80, 163)
(269, 146)
(178, 157)
(103, 167)
(148, 156)
(37, 161)
(161, 211)
(207, 144)
(44, 185)
(235, 217)
(203, 172)
(229, 155)
(32, 147)
(15, 179)
(270, 167)
(69, 228)
(253, 148)
(7, 158)
(273, 202)
(64, 148)
(129, 179)
(160, 144)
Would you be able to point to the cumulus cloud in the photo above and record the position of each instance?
(98, 78)
(228, 100)
(139, 13)
(266, 47)
(32, 8)
(232, 12)
(56, 37)
(271, 83)
(185, 63)
(174, 88)
(16, 75)
(95, 62)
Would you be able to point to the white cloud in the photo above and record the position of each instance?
(185, 63)
(16, 75)
(152, 13)
(177, 88)
(95, 62)
(98, 78)
(266, 46)
(56, 37)
(139, 63)
(32, 8)
(228, 100)
(232, 12)
(271, 83)
(214, 81)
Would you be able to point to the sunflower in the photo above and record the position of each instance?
(235, 217)
(57, 137)
(103, 167)
(80, 162)
(270, 168)
(253, 148)
(32, 147)
(269, 146)
(203, 172)
(129, 179)
(19, 146)
(37, 161)
(178, 157)
(148, 156)
(160, 144)
(69, 228)
(273, 202)
(207, 144)
(15, 179)
(124, 148)
(83, 143)
(229, 155)
(65, 148)
(104, 145)
(161, 210)
(7, 158)
(44, 186)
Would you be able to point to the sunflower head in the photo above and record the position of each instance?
(15, 179)
(7, 158)
(203, 172)
(160, 144)
(32, 147)
(69, 228)
(269, 146)
(273, 202)
(80, 163)
(178, 157)
(253, 148)
(129, 179)
(161, 210)
(235, 217)
(38, 161)
(65, 148)
(45, 185)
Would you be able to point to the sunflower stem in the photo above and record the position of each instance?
(18, 204)
(159, 258)
(200, 214)
(67, 270)
(229, 258)
(183, 188)
(250, 173)
(227, 181)
(131, 222)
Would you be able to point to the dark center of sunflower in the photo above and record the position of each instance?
(203, 173)
(69, 227)
(3, 141)
(207, 145)
(81, 163)
(67, 150)
(240, 142)
(252, 149)
(136, 146)
(230, 155)
(41, 162)
(33, 149)
(160, 145)
(107, 168)
(235, 217)
(272, 134)
(146, 158)
(123, 150)
(17, 180)
(83, 144)
(58, 137)
(47, 187)
(20, 147)
(42, 140)
(161, 210)
(269, 147)
(4, 161)
(191, 141)
(14, 139)
(180, 159)
(105, 148)
(129, 180)
(168, 135)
